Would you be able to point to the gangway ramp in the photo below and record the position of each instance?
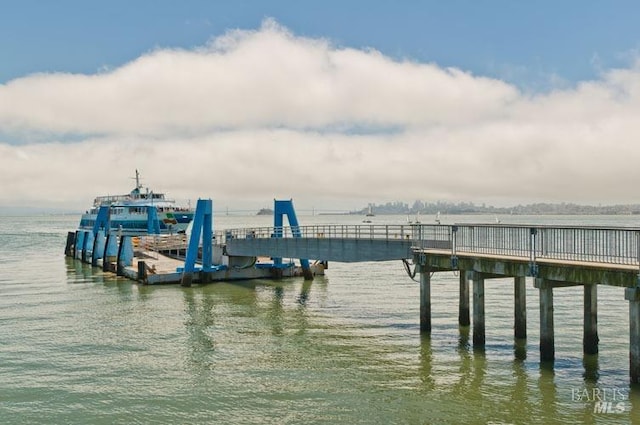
(341, 243)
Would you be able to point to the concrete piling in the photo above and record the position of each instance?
(590, 336)
(547, 341)
(633, 296)
(463, 308)
(520, 308)
(478, 311)
(425, 300)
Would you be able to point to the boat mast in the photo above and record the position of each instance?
(138, 180)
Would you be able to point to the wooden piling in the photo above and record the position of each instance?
(520, 307)
(590, 335)
(478, 311)
(425, 300)
(463, 308)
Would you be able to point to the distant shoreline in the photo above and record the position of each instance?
(470, 209)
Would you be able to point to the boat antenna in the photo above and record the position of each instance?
(138, 180)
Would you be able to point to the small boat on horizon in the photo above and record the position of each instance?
(129, 213)
(370, 211)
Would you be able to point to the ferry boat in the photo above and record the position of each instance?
(128, 213)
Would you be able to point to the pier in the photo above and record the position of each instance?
(548, 256)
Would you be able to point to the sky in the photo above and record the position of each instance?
(334, 104)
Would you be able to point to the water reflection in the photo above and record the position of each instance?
(274, 313)
(200, 317)
(520, 398)
(465, 369)
(548, 392)
(634, 403)
(426, 362)
(591, 368)
(258, 308)
(79, 272)
(304, 293)
(520, 349)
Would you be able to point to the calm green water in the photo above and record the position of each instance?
(79, 346)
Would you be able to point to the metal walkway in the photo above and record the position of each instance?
(351, 243)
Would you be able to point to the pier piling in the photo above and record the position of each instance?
(590, 336)
(520, 307)
(425, 300)
(110, 251)
(89, 240)
(463, 309)
(547, 342)
(478, 311)
(633, 296)
(79, 248)
(98, 248)
(71, 240)
(125, 254)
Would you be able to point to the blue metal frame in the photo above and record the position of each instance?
(202, 226)
(282, 208)
(102, 220)
(153, 224)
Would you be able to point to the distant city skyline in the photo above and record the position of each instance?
(333, 104)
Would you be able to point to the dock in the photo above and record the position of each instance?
(549, 256)
(176, 259)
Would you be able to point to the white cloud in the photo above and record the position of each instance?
(260, 114)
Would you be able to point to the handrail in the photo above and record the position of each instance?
(378, 232)
(611, 245)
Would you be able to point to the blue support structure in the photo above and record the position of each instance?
(282, 208)
(102, 220)
(110, 250)
(88, 246)
(202, 226)
(125, 254)
(153, 224)
(80, 235)
(98, 247)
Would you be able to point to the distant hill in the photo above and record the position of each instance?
(563, 208)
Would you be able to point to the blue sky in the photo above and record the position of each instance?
(335, 103)
(532, 44)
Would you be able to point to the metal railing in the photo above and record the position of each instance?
(585, 244)
(371, 232)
